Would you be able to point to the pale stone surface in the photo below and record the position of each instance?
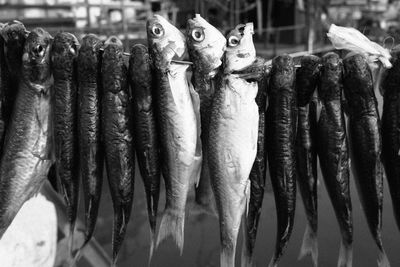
(31, 239)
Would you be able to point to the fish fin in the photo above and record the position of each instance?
(172, 224)
(345, 255)
(310, 245)
(198, 154)
(383, 260)
(247, 194)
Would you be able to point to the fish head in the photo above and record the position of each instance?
(64, 51)
(284, 66)
(166, 42)
(113, 66)
(206, 44)
(114, 46)
(240, 51)
(14, 32)
(14, 35)
(36, 55)
(89, 52)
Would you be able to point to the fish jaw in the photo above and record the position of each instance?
(206, 44)
(240, 51)
(165, 41)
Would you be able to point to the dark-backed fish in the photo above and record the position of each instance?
(281, 121)
(333, 151)
(391, 133)
(145, 129)
(366, 144)
(4, 87)
(307, 78)
(91, 155)
(117, 138)
(64, 104)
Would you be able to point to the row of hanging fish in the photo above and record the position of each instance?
(69, 106)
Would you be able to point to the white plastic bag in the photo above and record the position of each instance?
(353, 40)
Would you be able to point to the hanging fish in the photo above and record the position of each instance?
(333, 151)
(307, 78)
(91, 154)
(145, 128)
(117, 137)
(232, 143)
(4, 87)
(26, 159)
(206, 46)
(281, 121)
(366, 144)
(64, 104)
(179, 121)
(390, 131)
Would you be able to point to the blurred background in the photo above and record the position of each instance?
(281, 26)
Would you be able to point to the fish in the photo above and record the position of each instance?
(117, 128)
(333, 150)
(258, 72)
(4, 86)
(281, 123)
(366, 144)
(390, 132)
(91, 152)
(178, 116)
(146, 133)
(14, 35)
(64, 52)
(206, 46)
(27, 155)
(307, 78)
(232, 143)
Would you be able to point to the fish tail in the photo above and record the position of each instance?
(121, 218)
(383, 260)
(228, 257)
(273, 262)
(345, 255)
(90, 220)
(310, 245)
(152, 243)
(71, 239)
(172, 224)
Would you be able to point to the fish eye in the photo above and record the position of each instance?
(233, 41)
(198, 34)
(157, 30)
